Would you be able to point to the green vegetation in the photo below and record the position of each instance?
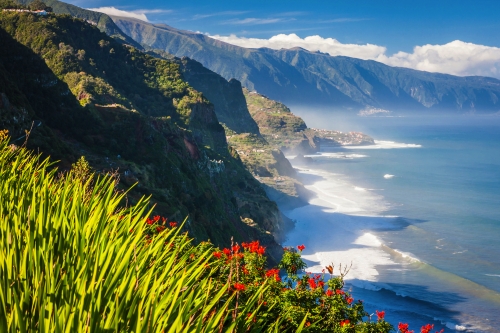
(77, 258)
(100, 20)
(82, 93)
(284, 130)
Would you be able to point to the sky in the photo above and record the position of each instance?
(457, 37)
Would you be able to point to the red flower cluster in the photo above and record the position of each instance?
(217, 254)
(254, 247)
(345, 322)
(380, 314)
(329, 293)
(312, 283)
(404, 328)
(427, 328)
(349, 300)
(239, 286)
(274, 272)
(301, 247)
(156, 219)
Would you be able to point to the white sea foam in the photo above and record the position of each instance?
(339, 155)
(333, 237)
(495, 275)
(388, 176)
(453, 326)
(385, 145)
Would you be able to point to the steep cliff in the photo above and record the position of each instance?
(133, 114)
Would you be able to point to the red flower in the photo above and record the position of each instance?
(217, 254)
(339, 292)
(239, 286)
(349, 300)
(380, 314)
(227, 252)
(301, 247)
(156, 218)
(149, 221)
(274, 272)
(345, 322)
(160, 228)
(308, 324)
(427, 328)
(250, 315)
(236, 248)
(329, 293)
(404, 328)
(321, 284)
(312, 283)
(173, 224)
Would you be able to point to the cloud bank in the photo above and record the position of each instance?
(137, 14)
(456, 58)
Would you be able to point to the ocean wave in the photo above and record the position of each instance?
(379, 144)
(402, 255)
(453, 326)
(495, 275)
(337, 155)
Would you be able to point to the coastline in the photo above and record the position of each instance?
(339, 225)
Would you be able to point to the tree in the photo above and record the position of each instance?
(37, 5)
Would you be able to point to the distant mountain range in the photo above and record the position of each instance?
(300, 77)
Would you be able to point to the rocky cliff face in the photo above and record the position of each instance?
(226, 96)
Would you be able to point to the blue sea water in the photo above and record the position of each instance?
(443, 194)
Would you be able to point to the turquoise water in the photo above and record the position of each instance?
(446, 199)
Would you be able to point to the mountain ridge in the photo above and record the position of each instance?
(300, 77)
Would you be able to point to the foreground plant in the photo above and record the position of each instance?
(74, 258)
(74, 262)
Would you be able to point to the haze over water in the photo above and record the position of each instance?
(418, 215)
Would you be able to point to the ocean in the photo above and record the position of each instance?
(417, 216)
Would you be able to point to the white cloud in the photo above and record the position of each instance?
(137, 14)
(118, 12)
(311, 43)
(457, 57)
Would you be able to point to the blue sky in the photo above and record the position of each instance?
(393, 26)
(398, 25)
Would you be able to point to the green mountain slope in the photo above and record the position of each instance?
(288, 132)
(101, 20)
(86, 94)
(227, 96)
(297, 76)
